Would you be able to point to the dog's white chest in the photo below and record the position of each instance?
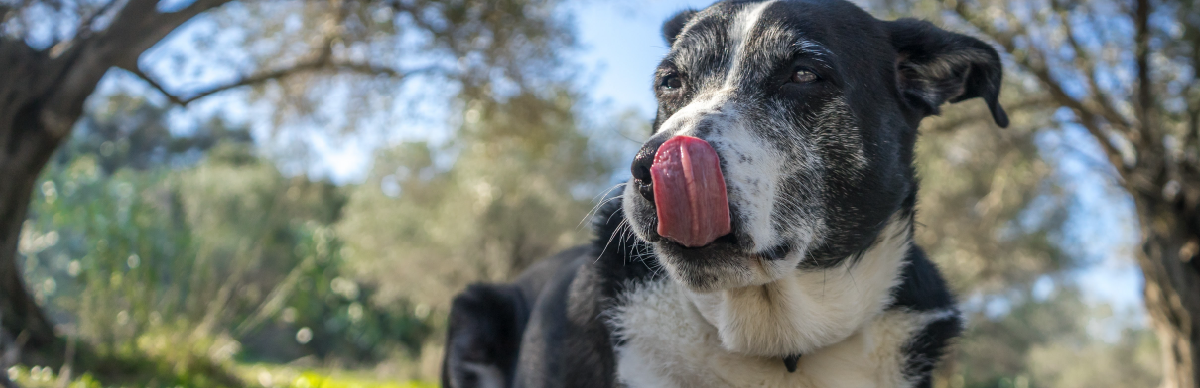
(667, 343)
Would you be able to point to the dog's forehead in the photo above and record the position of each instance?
(770, 29)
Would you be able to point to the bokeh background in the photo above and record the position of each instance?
(310, 228)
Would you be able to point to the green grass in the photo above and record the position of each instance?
(258, 375)
(273, 375)
(170, 359)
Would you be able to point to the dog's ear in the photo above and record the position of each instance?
(935, 66)
(483, 331)
(675, 24)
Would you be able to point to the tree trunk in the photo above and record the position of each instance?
(25, 148)
(1170, 262)
(21, 315)
(42, 93)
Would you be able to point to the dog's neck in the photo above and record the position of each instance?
(810, 309)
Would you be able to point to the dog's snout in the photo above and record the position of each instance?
(641, 168)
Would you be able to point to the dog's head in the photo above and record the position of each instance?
(810, 109)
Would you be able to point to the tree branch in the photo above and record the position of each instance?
(77, 67)
(318, 64)
(1031, 103)
(1158, 164)
(139, 27)
(154, 84)
(11, 10)
(321, 59)
(1098, 166)
(1087, 118)
(1144, 101)
(1191, 136)
(85, 26)
(1086, 64)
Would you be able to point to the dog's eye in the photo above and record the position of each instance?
(671, 82)
(803, 76)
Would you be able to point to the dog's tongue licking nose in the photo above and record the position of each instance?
(689, 192)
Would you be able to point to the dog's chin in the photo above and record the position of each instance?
(726, 263)
(718, 266)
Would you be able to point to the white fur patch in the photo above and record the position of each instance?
(810, 309)
(834, 317)
(739, 38)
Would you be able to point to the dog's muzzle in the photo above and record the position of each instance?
(685, 183)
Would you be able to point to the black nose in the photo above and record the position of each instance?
(641, 168)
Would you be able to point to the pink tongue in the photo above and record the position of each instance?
(689, 192)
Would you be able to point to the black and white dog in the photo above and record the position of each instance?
(765, 238)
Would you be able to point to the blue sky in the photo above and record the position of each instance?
(622, 41)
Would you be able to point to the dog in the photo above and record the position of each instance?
(765, 238)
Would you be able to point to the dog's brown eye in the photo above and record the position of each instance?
(803, 76)
(671, 82)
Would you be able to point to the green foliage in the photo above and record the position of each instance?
(226, 248)
(992, 215)
(315, 380)
(1058, 341)
(139, 228)
(992, 211)
(137, 260)
(162, 357)
(421, 228)
(444, 49)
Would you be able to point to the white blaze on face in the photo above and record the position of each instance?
(752, 182)
(739, 38)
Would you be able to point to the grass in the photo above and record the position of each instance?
(257, 375)
(176, 359)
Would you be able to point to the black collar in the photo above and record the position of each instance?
(790, 362)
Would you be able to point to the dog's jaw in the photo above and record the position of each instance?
(772, 308)
(806, 310)
(838, 318)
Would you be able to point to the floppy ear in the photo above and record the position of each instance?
(674, 26)
(935, 66)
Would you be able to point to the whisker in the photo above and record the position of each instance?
(624, 222)
(597, 208)
(601, 203)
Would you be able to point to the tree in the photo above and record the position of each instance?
(518, 189)
(1126, 73)
(54, 53)
(1131, 84)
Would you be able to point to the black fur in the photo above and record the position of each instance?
(487, 321)
(673, 26)
(923, 289)
(927, 347)
(568, 343)
(973, 67)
